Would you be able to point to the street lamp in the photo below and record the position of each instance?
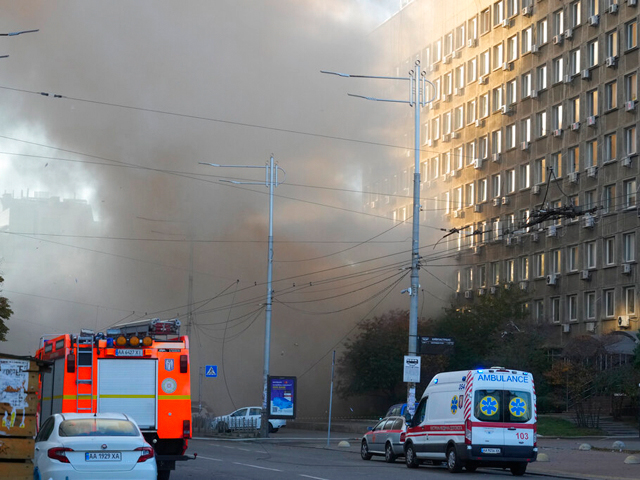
(417, 99)
(271, 181)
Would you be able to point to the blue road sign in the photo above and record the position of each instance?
(211, 371)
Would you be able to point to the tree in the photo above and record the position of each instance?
(5, 313)
(372, 363)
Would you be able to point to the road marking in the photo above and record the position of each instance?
(245, 449)
(256, 466)
(209, 458)
(309, 476)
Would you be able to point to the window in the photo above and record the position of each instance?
(448, 43)
(630, 300)
(592, 154)
(482, 190)
(527, 39)
(555, 309)
(556, 116)
(485, 64)
(485, 21)
(573, 158)
(574, 62)
(495, 272)
(630, 145)
(629, 247)
(592, 103)
(457, 198)
(472, 28)
(498, 56)
(458, 118)
(556, 261)
(574, 109)
(631, 87)
(483, 147)
(460, 36)
(538, 310)
(590, 254)
(482, 275)
(539, 171)
(471, 152)
(512, 48)
(495, 185)
(512, 92)
(495, 229)
(437, 51)
(541, 77)
(512, 8)
(459, 80)
(630, 193)
(498, 13)
(572, 258)
(510, 181)
(592, 53)
(542, 32)
(446, 163)
(511, 136)
(446, 123)
(510, 276)
(609, 251)
(447, 83)
(611, 95)
(609, 147)
(496, 141)
(472, 70)
(525, 129)
(558, 69)
(572, 307)
(611, 44)
(558, 22)
(497, 98)
(541, 124)
(524, 268)
(609, 198)
(484, 105)
(594, 7)
(556, 164)
(631, 30)
(609, 303)
(471, 111)
(526, 85)
(590, 305)
(589, 199)
(525, 176)
(459, 157)
(575, 8)
(538, 265)
(435, 167)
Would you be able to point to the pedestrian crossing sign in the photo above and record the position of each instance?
(211, 371)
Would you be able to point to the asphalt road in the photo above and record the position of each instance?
(282, 458)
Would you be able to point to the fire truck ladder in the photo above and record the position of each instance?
(84, 371)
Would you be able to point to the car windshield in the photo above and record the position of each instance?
(502, 406)
(97, 427)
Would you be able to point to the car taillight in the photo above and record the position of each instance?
(184, 363)
(467, 432)
(535, 434)
(146, 453)
(186, 429)
(59, 453)
(403, 436)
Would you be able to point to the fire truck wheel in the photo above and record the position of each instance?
(164, 474)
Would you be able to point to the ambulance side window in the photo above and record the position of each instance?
(420, 414)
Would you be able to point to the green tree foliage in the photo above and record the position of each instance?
(372, 363)
(5, 313)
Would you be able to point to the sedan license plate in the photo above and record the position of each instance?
(103, 456)
(490, 450)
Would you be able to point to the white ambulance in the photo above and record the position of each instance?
(478, 418)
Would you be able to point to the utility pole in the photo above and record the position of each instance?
(417, 99)
(271, 181)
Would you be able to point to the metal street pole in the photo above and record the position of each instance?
(333, 365)
(271, 181)
(417, 99)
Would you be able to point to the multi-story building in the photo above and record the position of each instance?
(535, 118)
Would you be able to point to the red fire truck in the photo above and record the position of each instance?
(139, 368)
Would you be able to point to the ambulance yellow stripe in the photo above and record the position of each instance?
(174, 397)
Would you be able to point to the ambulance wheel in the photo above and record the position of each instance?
(164, 474)
(364, 451)
(410, 456)
(453, 464)
(471, 467)
(389, 456)
(518, 469)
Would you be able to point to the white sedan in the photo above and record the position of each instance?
(247, 418)
(75, 446)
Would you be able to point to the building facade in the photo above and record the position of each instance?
(529, 152)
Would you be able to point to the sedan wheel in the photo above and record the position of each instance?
(389, 456)
(364, 451)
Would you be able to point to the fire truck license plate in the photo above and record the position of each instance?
(103, 456)
(129, 352)
(490, 450)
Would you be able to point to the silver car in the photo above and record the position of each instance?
(386, 438)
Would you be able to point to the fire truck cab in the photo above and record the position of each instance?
(139, 368)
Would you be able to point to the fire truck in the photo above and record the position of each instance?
(139, 368)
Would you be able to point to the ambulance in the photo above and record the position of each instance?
(140, 369)
(477, 418)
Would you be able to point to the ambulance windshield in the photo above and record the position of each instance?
(510, 406)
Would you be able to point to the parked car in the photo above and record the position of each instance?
(399, 409)
(76, 446)
(247, 418)
(386, 438)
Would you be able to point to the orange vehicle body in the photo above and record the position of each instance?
(150, 382)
